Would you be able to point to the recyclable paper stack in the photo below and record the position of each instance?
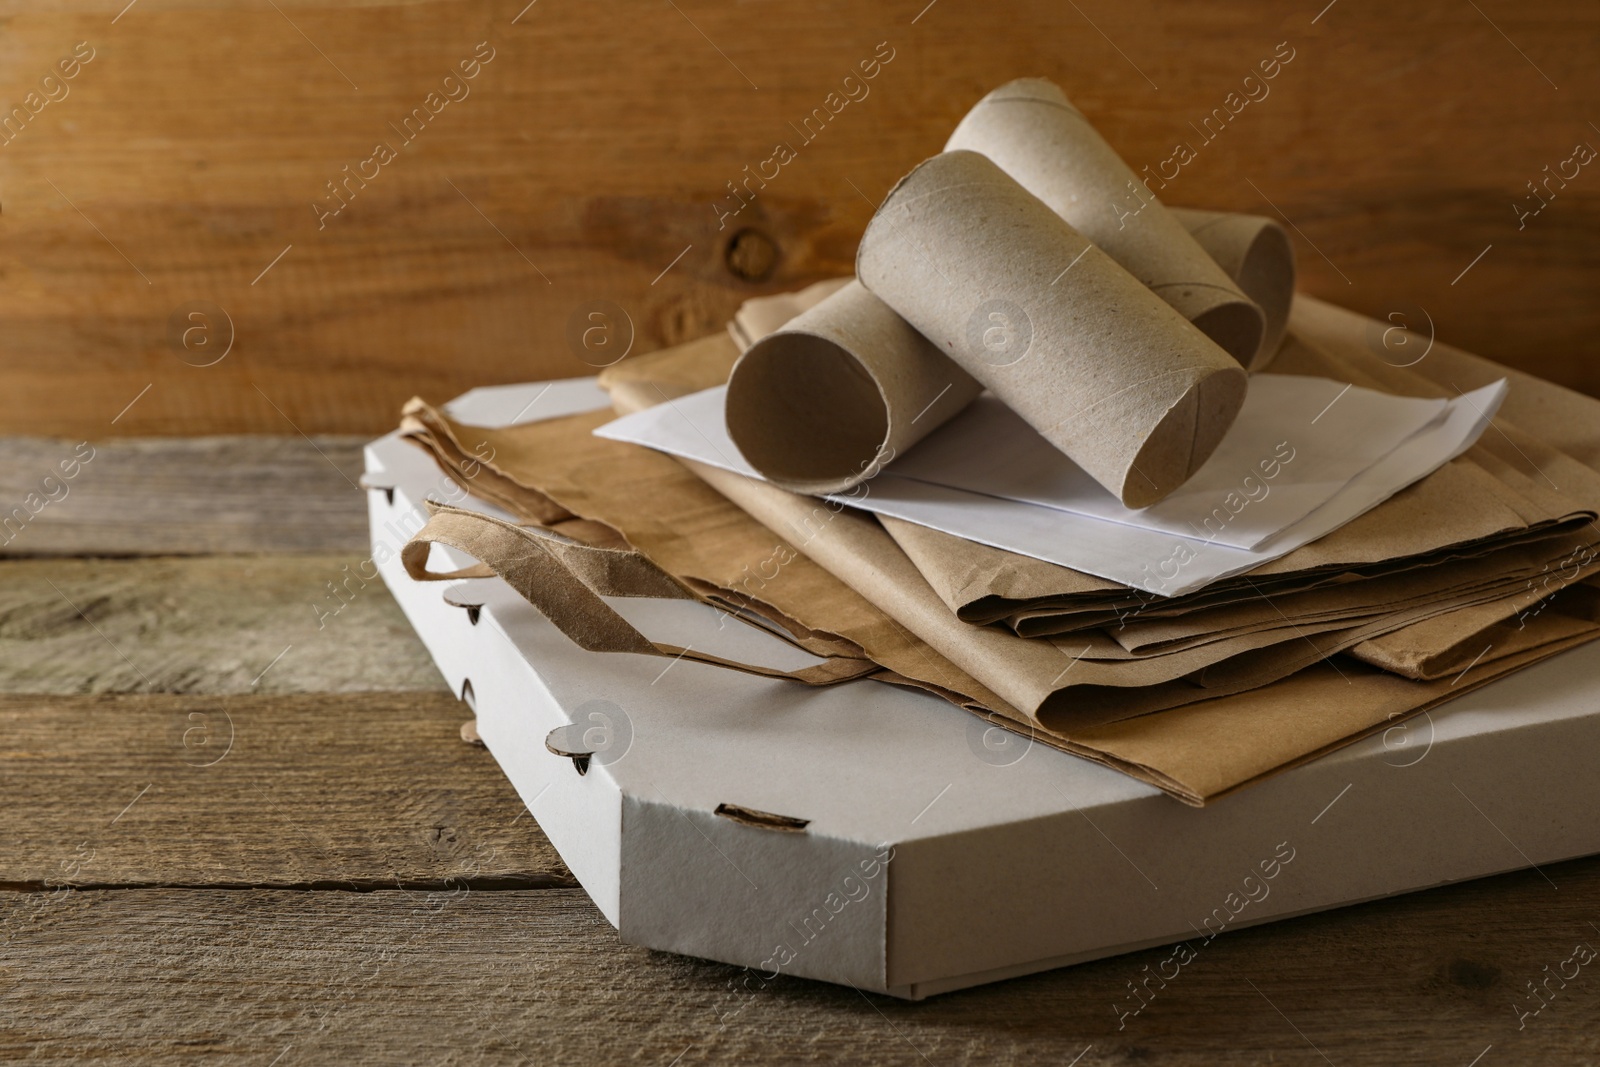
(1029, 460)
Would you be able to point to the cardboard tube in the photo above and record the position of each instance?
(1256, 253)
(822, 404)
(1111, 375)
(1031, 131)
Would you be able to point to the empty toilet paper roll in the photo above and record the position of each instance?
(1256, 253)
(1110, 374)
(823, 403)
(1031, 130)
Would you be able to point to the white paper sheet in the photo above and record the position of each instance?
(1297, 442)
(1153, 560)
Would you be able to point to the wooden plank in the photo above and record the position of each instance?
(219, 625)
(181, 496)
(235, 629)
(593, 158)
(354, 790)
(538, 977)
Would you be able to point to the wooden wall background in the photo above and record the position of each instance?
(187, 153)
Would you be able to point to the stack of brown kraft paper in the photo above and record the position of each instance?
(1477, 570)
(841, 584)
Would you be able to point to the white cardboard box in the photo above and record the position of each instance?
(938, 852)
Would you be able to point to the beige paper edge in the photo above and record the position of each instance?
(761, 315)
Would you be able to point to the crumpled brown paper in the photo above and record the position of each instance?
(859, 582)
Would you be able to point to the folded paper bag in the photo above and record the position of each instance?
(1170, 748)
(821, 404)
(1033, 133)
(1105, 370)
(565, 582)
(650, 504)
(1280, 721)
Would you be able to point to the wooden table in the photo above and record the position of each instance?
(234, 835)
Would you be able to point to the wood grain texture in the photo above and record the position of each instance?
(538, 977)
(174, 497)
(353, 791)
(587, 161)
(218, 625)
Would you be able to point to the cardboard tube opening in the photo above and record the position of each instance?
(1255, 252)
(824, 402)
(1267, 274)
(795, 389)
(1236, 327)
